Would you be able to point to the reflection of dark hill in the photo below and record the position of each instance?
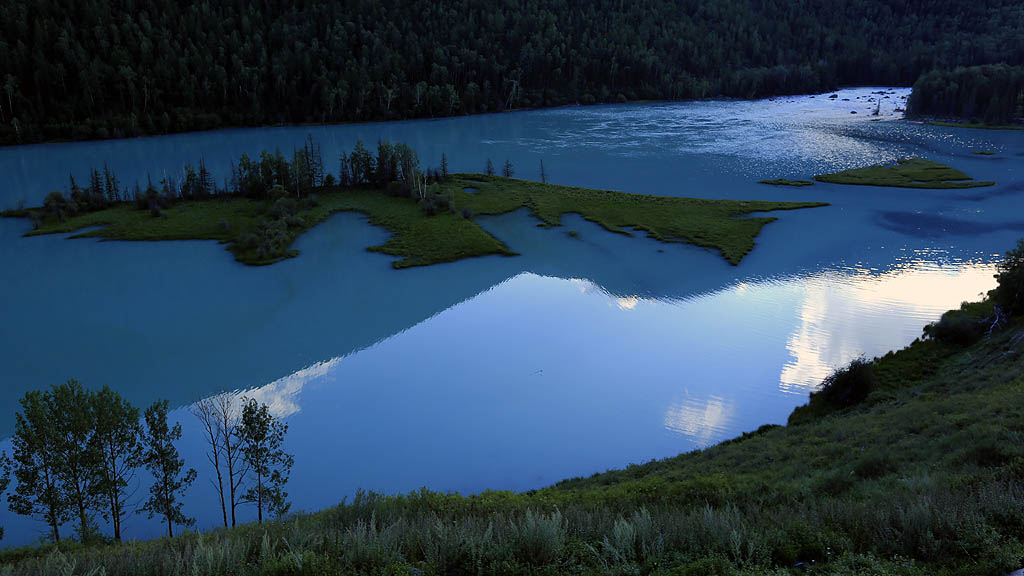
(932, 226)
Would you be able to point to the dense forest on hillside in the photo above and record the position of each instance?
(988, 94)
(104, 68)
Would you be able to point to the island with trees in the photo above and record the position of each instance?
(430, 213)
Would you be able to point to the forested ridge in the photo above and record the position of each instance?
(985, 94)
(104, 68)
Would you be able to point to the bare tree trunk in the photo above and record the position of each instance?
(205, 411)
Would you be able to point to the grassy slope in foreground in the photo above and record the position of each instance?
(925, 477)
(421, 240)
(906, 173)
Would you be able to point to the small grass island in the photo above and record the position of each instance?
(786, 182)
(434, 225)
(905, 173)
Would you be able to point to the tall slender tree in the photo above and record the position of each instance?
(38, 491)
(205, 411)
(5, 480)
(262, 437)
(77, 454)
(229, 416)
(170, 479)
(118, 441)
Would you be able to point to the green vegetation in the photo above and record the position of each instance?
(905, 173)
(77, 451)
(420, 239)
(785, 182)
(911, 464)
(270, 202)
(171, 479)
(103, 71)
(983, 152)
(979, 96)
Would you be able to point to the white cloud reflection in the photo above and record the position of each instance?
(847, 314)
(282, 395)
(699, 419)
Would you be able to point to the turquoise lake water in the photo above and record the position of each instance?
(581, 355)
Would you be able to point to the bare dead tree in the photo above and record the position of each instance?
(206, 411)
(229, 413)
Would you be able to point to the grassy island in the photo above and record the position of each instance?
(444, 231)
(911, 464)
(905, 173)
(785, 182)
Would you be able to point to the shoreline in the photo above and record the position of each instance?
(429, 118)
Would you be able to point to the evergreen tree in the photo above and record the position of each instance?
(170, 479)
(490, 168)
(507, 171)
(444, 167)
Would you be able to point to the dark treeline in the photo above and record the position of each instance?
(77, 452)
(284, 187)
(106, 68)
(986, 94)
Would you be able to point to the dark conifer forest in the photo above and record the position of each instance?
(982, 94)
(84, 69)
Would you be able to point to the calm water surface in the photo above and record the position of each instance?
(512, 373)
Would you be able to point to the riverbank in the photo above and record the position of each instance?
(439, 228)
(924, 476)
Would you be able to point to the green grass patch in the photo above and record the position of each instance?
(983, 152)
(723, 225)
(419, 239)
(905, 173)
(785, 182)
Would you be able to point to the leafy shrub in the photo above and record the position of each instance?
(874, 464)
(989, 453)
(835, 483)
(282, 207)
(397, 189)
(955, 328)
(1010, 292)
(850, 385)
(797, 541)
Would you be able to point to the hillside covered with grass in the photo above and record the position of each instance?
(910, 464)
